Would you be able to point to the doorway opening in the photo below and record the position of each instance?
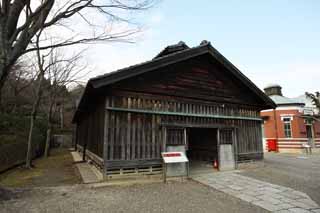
(202, 149)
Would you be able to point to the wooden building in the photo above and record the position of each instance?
(187, 97)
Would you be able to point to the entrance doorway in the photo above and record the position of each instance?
(202, 149)
(208, 145)
(202, 144)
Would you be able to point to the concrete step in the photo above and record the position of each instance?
(89, 173)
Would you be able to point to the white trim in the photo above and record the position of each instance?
(288, 116)
(289, 108)
(292, 142)
(290, 139)
(290, 146)
(283, 116)
(267, 110)
(281, 108)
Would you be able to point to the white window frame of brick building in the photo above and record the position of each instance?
(287, 122)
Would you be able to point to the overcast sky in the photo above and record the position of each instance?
(270, 41)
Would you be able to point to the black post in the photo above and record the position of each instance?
(75, 134)
(84, 151)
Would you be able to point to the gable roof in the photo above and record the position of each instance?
(165, 58)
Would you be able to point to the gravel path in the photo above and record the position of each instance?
(175, 197)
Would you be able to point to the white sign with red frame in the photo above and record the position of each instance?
(174, 157)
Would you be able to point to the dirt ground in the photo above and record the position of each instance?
(54, 186)
(187, 196)
(56, 170)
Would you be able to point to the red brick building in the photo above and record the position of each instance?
(291, 125)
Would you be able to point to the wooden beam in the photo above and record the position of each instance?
(111, 164)
(182, 114)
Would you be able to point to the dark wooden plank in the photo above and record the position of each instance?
(139, 132)
(106, 131)
(133, 139)
(153, 136)
(123, 136)
(118, 138)
(112, 132)
(143, 128)
(132, 163)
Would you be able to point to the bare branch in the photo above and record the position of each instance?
(19, 24)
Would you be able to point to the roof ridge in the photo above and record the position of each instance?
(146, 62)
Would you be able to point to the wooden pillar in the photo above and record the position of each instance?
(153, 137)
(128, 154)
(235, 149)
(105, 138)
(87, 125)
(75, 138)
(218, 146)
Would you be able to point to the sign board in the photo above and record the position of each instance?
(308, 111)
(174, 157)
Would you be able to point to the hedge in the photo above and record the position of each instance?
(14, 131)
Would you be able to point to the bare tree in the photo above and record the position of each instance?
(16, 89)
(39, 90)
(62, 72)
(315, 98)
(21, 20)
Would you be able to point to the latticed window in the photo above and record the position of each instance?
(287, 127)
(226, 136)
(175, 136)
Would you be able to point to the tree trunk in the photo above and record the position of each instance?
(61, 116)
(29, 150)
(3, 71)
(48, 139)
(33, 118)
(49, 128)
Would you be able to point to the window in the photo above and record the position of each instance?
(226, 136)
(287, 127)
(175, 136)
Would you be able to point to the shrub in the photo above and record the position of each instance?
(14, 130)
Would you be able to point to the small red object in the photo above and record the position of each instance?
(272, 145)
(172, 155)
(215, 164)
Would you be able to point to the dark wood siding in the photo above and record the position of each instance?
(91, 128)
(135, 127)
(175, 136)
(197, 78)
(131, 123)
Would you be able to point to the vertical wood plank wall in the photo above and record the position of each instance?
(133, 138)
(91, 129)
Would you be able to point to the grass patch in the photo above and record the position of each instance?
(56, 170)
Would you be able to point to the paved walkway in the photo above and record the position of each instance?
(88, 172)
(269, 196)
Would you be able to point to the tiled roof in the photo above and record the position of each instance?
(281, 100)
